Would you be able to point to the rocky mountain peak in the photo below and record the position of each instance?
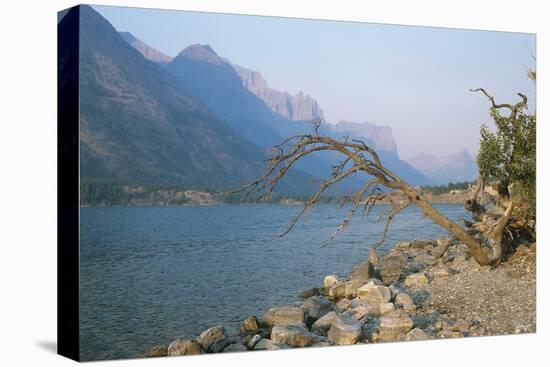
(201, 53)
(297, 107)
(380, 136)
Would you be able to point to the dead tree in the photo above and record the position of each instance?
(381, 185)
(483, 237)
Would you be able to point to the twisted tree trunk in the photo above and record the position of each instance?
(382, 184)
(477, 251)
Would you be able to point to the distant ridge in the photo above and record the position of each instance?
(380, 137)
(298, 107)
(147, 51)
(215, 81)
(457, 167)
(191, 120)
(138, 125)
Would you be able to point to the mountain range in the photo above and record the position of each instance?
(459, 167)
(379, 137)
(138, 125)
(193, 120)
(148, 52)
(220, 85)
(299, 107)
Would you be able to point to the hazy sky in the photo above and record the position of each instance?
(413, 79)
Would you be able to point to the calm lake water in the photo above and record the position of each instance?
(150, 275)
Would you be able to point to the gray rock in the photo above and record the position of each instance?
(378, 309)
(263, 344)
(425, 259)
(210, 336)
(376, 281)
(425, 321)
(394, 326)
(285, 315)
(321, 344)
(317, 307)
(421, 297)
(357, 302)
(415, 267)
(390, 268)
(294, 335)
(337, 291)
(309, 293)
(345, 331)
(417, 280)
(266, 344)
(342, 305)
(343, 290)
(385, 308)
(157, 351)
(248, 325)
(394, 290)
(329, 281)
(182, 347)
(236, 347)
(217, 346)
(356, 313)
(370, 329)
(374, 294)
(423, 244)
(255, 339)
(416, 334)
(440, 248)
(402, 246)
(362, 272)
(322, 325)
(402, 299)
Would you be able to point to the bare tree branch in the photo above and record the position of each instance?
(514, 108)
(382, 184)
(392, 215)
(313, 200)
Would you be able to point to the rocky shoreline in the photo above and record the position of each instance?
(412, 293)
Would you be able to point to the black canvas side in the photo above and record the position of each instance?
(68, 184)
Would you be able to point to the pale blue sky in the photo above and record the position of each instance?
(413, 79)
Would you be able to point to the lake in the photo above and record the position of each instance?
(149, 275)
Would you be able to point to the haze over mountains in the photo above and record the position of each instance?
(457, 167)
(298, 107)
(217, 82)
(192, 120)
(148, 52)
(137, 125)
(380, 137)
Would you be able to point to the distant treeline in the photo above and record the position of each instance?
(441, 189)
(110, 193)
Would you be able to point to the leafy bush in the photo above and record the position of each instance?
(508, 155)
